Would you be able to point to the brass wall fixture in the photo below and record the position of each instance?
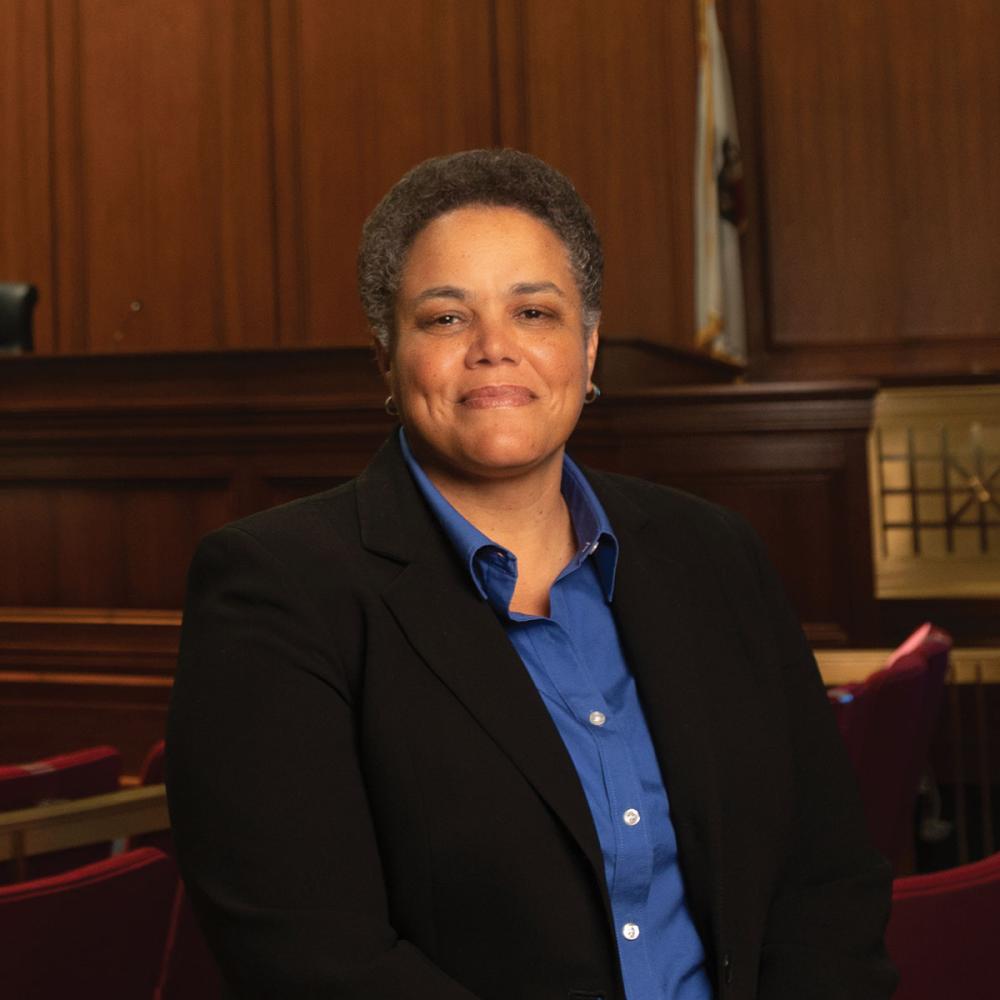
(934, 457)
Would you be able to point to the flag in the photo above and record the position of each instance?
(720, 206)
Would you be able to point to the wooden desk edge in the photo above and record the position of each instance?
(847, 666)
(60, 825)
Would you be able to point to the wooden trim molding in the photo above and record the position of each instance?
(119, 646)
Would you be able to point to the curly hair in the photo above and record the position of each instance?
(494, 177)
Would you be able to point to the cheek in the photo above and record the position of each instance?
(564, 367)
(420, 374)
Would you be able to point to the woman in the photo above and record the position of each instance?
(479, 724)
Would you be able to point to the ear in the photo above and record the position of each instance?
(592, 340)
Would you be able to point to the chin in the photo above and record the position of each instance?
(502, 453)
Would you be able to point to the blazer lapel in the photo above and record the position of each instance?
(460, 639)
(656, 617)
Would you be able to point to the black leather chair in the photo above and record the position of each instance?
(17, 301)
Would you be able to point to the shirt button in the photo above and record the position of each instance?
(630, 932)
(597, 718)
(631, 816)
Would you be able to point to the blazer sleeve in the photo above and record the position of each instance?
(825, 927)
(271, 822)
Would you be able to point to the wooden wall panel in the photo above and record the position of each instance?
(835, 265)
(25, 206)
(213, 162)
(871, 129)
(799, 507)
(103, 543)
(945, 142)
(162, 175)
(363, 92)
(606, 93)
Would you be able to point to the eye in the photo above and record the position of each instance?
(441, 320)
(534, 313)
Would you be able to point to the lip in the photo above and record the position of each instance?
(492, 396)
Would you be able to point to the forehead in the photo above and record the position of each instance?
(480, 241)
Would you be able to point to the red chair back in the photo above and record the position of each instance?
(931, 645)
(189, 970)
(153, 773)
(887, 722)
(23, 786)
(97, 931)
(75, 775)
(891, 702)
(943, 932)
(82, 773)
(154, 766)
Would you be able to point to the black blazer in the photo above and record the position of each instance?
(370, 800)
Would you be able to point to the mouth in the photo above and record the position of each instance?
(493, 396)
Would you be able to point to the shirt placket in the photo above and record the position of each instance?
(630, 849)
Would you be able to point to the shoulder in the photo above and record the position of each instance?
(714, 547)
(671, 511)
(304, 538)
(319, 517)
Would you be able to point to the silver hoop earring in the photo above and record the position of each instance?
(390, 407)
(592, 394)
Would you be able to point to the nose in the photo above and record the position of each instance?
(494, 341)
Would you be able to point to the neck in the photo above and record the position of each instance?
(522, 513)
(526, 514)
(529, 517)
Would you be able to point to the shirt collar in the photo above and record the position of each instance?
(595, 537)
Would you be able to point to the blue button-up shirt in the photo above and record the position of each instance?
(576, 661)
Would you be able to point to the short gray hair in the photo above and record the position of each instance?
(495, 177)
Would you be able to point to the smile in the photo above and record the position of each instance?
(493, 396)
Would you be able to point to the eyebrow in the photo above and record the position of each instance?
(442, 292)
(534, 287)
(521, 288)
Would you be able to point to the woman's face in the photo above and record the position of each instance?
(489, 364)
